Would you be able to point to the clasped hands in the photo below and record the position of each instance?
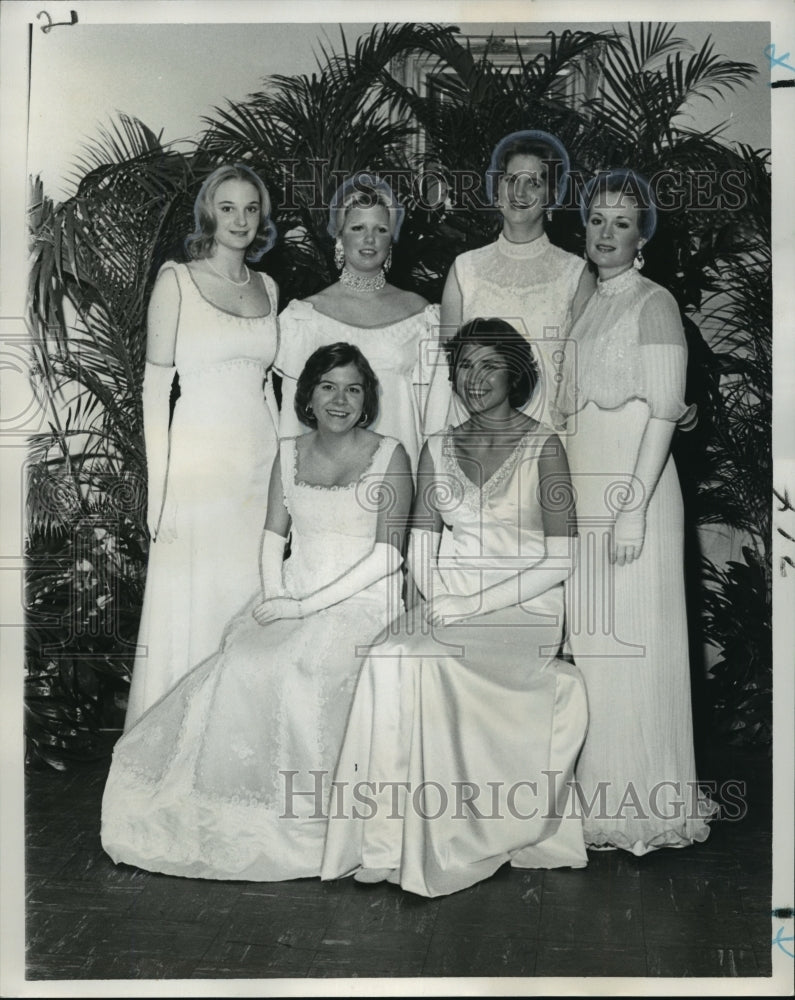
(449, 609)
(445, 609)
(276, 608)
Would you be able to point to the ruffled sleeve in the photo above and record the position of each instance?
(296, 341)
(663, 352)
(431, 376)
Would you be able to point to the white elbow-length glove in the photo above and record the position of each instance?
(271, 563)
(383, 560)
(554, 568)
(629, 529)
(423, 546)
(156, 398)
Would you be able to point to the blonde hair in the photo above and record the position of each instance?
(364, 190)
(200, 242)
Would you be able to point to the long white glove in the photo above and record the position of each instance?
(423, 546)
(383, 560)
(289, 424)
(156, 397)
(270, 564)
(554, 568)
(629, 530)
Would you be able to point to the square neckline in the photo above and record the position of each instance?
(227, 312)
(341, 486)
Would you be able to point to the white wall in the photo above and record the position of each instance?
(170, 75)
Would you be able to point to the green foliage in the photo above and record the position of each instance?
(84, 587)
(737, 619)
(94, 259)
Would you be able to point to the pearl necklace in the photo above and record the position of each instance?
(226, 276)
(363, 282)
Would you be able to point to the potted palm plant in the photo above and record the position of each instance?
(94, 258)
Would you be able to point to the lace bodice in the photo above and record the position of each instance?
(628, 344)
(531, 285)
(333, 527)
(212, 339)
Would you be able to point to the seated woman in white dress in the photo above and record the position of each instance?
(465, 727)
(226, 777)
(396, 329)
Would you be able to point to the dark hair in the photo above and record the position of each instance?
(546, 147)
(364, 190)
(200, 242)
(622, 181)
(319, 364)
(508, 343)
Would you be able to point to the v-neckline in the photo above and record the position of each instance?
(486, 482)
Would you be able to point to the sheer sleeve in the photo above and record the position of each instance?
(663, 351)
(660, 322)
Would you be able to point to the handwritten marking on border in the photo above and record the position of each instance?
(55, 24)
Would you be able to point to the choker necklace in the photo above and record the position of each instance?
(363, 282)
(226, 276)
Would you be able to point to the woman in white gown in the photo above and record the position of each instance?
(397, 330)
(624, 391)
(460, 748)
(227, 777)
(522, 277)
(213, 323)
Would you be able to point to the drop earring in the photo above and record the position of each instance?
(638, 262)
(388, 261)
(339, 255)
(549, 215)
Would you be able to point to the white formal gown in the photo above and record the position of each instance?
(482, 710)
(228, 776)
(626, 362)
(222, 443)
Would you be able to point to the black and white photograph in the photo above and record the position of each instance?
(398, 498)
